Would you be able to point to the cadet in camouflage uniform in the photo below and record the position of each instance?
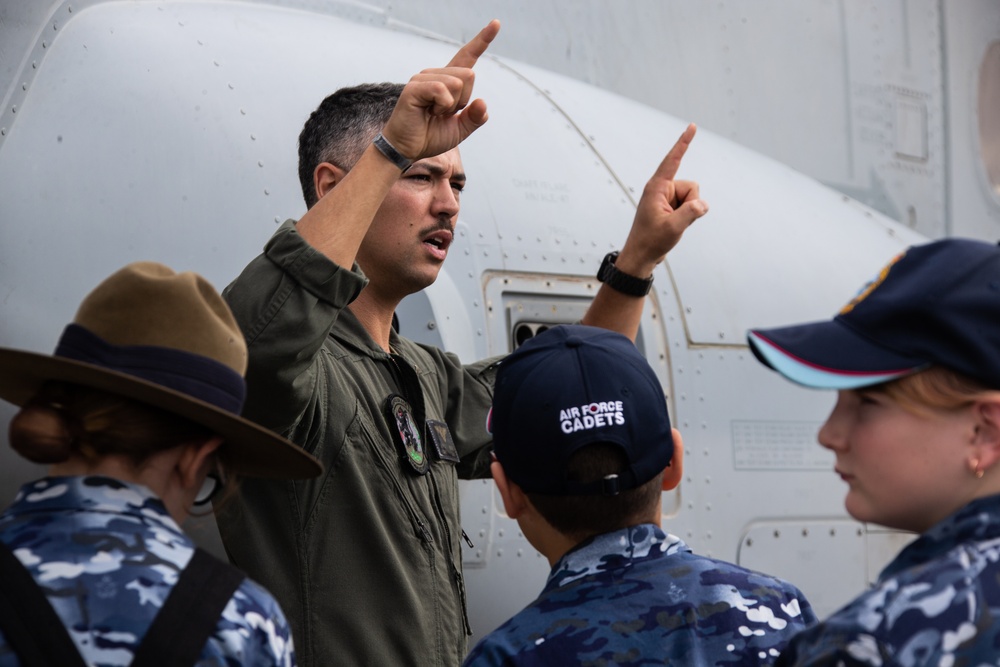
(107, 553)
(137, 416)
(916, 434)
(583, 450)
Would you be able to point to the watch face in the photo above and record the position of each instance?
(607, 266)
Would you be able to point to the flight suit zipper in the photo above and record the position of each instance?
(409, 385)
(456, 573)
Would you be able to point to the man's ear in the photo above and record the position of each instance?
(194, 458)
(672, 473)
(325, 177)
(514, 500)
(987, 442)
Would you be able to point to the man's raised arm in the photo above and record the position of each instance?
(432, 116)
(666, 209)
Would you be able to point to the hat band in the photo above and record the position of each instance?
(193, 374)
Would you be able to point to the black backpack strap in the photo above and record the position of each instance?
(30, 625)
(190, 614)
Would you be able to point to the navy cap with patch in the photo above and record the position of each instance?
(569, 387)
(934, 304)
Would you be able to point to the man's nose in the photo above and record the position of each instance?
(445, 200)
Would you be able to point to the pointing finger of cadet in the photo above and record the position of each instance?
(471, 52)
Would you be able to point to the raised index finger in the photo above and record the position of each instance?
(668, 168)
(470, 53)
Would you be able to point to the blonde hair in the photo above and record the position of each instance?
(937, 388)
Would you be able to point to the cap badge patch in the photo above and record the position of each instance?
(591, 415)
(871, 285)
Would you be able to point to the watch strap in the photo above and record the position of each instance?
(618, 280)
(390, 153)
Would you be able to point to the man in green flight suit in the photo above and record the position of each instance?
(366, 560)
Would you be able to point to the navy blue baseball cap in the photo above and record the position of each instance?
(934, 304)
(573, 386)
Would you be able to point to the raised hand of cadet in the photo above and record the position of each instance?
(665, 211)
(434, 114)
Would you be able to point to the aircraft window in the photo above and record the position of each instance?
(989, 119)
(911, 129)
(525, 331)
(521, 306)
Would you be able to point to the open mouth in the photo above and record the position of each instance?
(439, 241)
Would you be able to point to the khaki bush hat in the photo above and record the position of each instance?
(168, 340)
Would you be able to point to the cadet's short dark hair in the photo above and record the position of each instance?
(582, 517)
(341, 127)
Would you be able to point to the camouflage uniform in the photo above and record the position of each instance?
(107, 554)
(638, 596)
(937, 603)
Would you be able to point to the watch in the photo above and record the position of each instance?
(621, 281)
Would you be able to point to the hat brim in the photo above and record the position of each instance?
(829, 355)
(252, 450)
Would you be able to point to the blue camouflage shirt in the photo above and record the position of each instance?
(107, 554)
(937, 603)
(638, 596)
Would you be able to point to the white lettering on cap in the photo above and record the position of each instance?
(592, 415)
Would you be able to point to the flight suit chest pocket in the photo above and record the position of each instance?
(381, 452)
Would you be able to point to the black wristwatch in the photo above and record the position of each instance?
(620, 281)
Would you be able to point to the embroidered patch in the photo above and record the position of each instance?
(405, 432)
(871, 285)
(444, 444)
(591, 415)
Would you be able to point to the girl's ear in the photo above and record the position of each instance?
(194, 458)
(987, 439)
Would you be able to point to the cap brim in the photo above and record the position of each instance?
(829, 355)
(250, 449)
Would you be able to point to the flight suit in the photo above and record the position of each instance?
(365, 560)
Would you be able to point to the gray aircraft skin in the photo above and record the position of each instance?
(167, 131)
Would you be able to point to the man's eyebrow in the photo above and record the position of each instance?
(437, 170)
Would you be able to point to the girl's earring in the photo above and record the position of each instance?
(976, 470)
